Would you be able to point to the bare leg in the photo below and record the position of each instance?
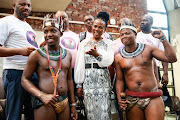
(45, 113)
(136, 114)
(155, 110)
(65, 114)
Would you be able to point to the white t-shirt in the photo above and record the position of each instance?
(15, 33)
(150, 40)
(70, 41)
(118, 45)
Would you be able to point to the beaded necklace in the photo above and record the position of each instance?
(136, 52)
(55, 77)
(52, 55)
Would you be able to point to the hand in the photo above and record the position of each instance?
(25, 51)
(74, 114)
(48, 99)
(158, 33)
(164, 79)
(93, 52)
(123, 104)
(159, 85)
(79, 92)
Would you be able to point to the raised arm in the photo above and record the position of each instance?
(168, 55)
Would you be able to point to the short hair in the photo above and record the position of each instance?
(150, 18)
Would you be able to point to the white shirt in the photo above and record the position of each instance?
(150, 40)
(118, 45)
(15, 33)
(107, 58)
(70, 41)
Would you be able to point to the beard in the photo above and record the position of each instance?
(20, 13)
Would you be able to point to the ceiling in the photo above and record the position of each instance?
(55, 5)
(172, 4)
(41, 5)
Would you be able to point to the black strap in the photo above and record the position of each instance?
(61, 98)
(95, 65)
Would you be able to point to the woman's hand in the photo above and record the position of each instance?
(93, 52)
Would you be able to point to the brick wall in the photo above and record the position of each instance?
(77, 9)
(133, 9)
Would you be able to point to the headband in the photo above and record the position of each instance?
(48, 21)
(128, 26)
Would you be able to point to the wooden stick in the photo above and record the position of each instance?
(123, 97)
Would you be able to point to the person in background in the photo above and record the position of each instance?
(88, 22)
(16, 43)
(145, 36)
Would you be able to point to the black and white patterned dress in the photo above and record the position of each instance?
(96, 82)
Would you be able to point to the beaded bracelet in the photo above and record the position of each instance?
(163, 38)
(99, 58)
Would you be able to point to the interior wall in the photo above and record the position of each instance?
(174, 17)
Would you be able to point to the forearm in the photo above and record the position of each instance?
(30, 87)
(165, 67)
(71, 91)
(156, 71)
(5, 52)
(119, 88)
(169, 51)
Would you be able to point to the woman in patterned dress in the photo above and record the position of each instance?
(91, 74)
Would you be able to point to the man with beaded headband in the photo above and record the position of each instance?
(53, 66)
(134, 68)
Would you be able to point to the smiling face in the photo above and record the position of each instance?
(52, 35)
(22, 8)
(98, 28)
(127, 36)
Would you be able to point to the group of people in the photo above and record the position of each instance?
(65, 63)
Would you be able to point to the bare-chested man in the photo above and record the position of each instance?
(53, 66)
(134, 68)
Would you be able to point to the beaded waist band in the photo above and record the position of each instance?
(144, 94)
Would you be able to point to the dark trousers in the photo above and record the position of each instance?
(15, 95)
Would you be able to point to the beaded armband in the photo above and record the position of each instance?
(99, 58)
(163, 38)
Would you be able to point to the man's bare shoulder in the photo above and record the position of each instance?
(68, 54)
(117, 56)
(34, 55)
